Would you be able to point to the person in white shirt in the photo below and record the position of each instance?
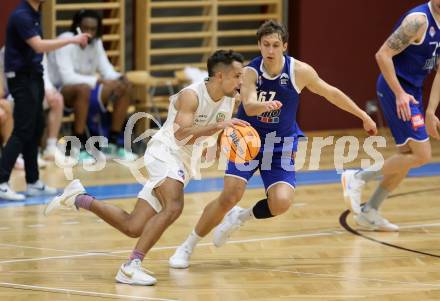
(198, 112)
(89, 83)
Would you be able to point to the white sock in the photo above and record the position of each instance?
(51, 142)
(192, 240)
(246, 214)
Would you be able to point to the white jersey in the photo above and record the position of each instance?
(208, 112)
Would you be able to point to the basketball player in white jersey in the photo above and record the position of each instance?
(195, 113)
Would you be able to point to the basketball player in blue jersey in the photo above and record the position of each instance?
(405, 59)
(270, 96)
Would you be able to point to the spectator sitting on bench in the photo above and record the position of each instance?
(89, 83)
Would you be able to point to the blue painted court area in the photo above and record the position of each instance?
(216, 184)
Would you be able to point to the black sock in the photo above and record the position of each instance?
(113, 137)
(261, 210)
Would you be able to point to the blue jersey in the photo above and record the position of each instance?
(415, 62)
(282, 87)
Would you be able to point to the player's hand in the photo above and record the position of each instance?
(369, 126)
(432, 125)
(81, 39)
(403, 106)
(272, 105)
(232, 123)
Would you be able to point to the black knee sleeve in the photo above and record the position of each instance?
(261, 210)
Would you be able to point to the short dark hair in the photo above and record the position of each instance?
(270, 27)
(223, 57)
(86, 13)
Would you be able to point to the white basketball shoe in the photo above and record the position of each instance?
(133, 273)
(230, 223)
(352, 189)
(67, 198)
(180, 259)
(372, 220)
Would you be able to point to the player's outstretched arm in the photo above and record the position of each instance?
(40, 46)
(184, 130)
(248, 93)
(411, 30)
(310, 79)
(432, 121)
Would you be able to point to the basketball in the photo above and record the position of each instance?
(240, 143)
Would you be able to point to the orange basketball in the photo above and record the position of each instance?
(241, 143)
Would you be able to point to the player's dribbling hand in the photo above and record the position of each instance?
(232, 122)
(432, 125)
(402, 106)
(272, 105)
(370, 126)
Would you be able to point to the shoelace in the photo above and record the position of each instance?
(187, 251)
(138, 265)
(233, 228)
(379, 220)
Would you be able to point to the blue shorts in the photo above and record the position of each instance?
(402, 131)
(95, 104)
(278, 169)
(97, 113)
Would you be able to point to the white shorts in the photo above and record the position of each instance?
(161, 163)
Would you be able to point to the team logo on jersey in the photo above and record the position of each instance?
(220, 117)
(432, 31)
(284, 79)
(200, 118)
(270, 117)
(417, 121)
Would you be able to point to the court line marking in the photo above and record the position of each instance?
(346, 278)
(77, 292)
(420, 226)
(59, 257)
(89, 293)
(50, 249)
(326, 233)
(114, 253)
(360, 233)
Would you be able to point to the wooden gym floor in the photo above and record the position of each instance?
(313, 252)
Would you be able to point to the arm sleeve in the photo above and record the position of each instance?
(105, 68)
(64, 63)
